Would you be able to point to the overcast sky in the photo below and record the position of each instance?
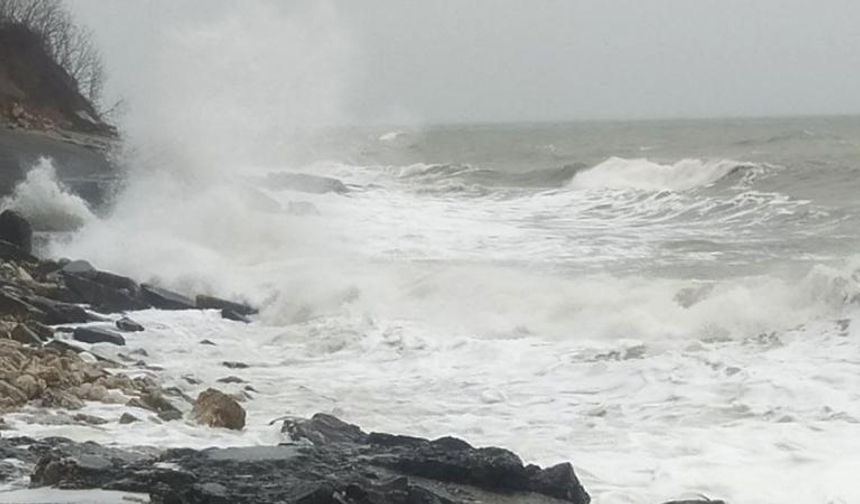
(428, 61)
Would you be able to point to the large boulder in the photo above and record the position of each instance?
(217, 409)
(15, 229)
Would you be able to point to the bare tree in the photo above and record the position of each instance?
(70, 45)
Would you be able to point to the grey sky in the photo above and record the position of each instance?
(500, 60)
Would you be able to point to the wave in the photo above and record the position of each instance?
(644, 174)
(46, 202)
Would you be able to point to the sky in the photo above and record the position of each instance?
(438, 61)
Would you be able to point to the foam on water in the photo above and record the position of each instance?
(619, 173)
(48, 205)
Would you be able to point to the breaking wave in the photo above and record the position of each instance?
(644, 174)
(46, 202)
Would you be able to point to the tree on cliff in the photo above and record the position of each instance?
(70, 45)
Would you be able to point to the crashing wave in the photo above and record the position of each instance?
(644, 174)
(47, 204)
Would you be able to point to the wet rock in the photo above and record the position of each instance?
(97, 335)
(52, 312)
(342, 472)
(105, 292)
(89, 419)
(128, 325)
(154, 401)
(44, 332)
(230, 379)
(77, 266)
(164, 299)
(16, 230)
(207, 342)
(128, 418)
(213, 303)
(235, 365)
(217, 409)
(323, 429)
(304, 182)
(231, 315)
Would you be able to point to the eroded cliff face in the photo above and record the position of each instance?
(36, 93)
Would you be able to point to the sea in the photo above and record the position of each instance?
(672, 306)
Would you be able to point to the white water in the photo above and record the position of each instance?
(434, 315)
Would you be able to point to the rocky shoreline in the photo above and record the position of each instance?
(52, 313)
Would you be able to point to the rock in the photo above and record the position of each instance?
(105, 292)
(15, 229)
(128, 325)
(44, 332)
(31, 386)
(323, 429)
(25, 335)
(213, 303)
(53, 312)
(700, 501)
(164, 299)
(217, 409)
(156, 403)
(97, 335)
(128, 418)
(230, 379)
(207, 342)
(231, 315)
(89, 419)
(11, 252)
(342, 472)
(78, 266)
(235, 365)
(304, 182)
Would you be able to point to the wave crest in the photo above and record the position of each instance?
(644, 174)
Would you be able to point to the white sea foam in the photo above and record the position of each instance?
(46, 203)
(620, 173)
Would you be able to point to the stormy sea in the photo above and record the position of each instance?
(673, 306)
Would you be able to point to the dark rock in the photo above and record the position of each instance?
(323, 429)
(11, 252)
(128, 418)
(156, 402)
(53, 312)
(230, 379)
(234, 365)
(207, 342)
(558, 481)
(164, 299)
(12, 305)
(89, 419)
(77, 266)
(16, 230)
(304, 182)
(106, 292)
(343, 471)
(214, 303)
(97, 335)
(169, 416)
(128, 325)
(236, 317)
